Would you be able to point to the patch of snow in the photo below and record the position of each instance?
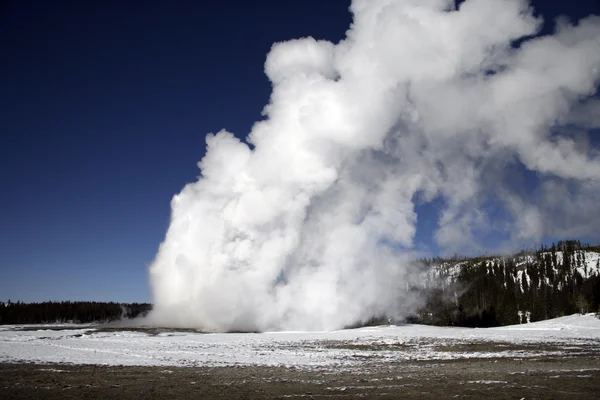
(53, 370)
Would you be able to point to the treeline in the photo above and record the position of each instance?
(550, 282)
(533, 285)
(69, 311)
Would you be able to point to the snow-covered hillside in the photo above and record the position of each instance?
(530, 286)
(446, 273)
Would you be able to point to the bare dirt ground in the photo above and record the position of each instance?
(575, 376)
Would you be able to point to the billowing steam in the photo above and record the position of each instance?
(309, 222)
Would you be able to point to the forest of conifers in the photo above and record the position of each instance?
(530, 286)
(68, 311)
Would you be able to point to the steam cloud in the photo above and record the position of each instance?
(309, 223)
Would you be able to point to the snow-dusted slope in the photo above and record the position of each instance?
(586, 263)
(338, 348)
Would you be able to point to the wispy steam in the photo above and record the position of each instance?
(312, 225)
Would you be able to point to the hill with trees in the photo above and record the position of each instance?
(530, 286)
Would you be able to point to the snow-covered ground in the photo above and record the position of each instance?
(85, 345)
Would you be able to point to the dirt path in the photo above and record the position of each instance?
(542, 378)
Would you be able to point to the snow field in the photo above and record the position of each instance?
(338, 349)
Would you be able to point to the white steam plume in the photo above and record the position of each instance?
(312, 227)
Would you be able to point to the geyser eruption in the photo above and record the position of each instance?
(309, 223)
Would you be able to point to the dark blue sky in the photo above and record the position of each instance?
(104, 107)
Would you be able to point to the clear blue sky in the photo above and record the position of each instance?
(104, 107)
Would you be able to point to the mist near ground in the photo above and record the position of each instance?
(309, 223)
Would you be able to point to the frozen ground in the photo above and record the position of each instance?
(74, 344)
